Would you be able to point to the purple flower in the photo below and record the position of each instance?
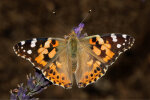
(12, 96)
(78, 29)
(34, 86)
(19, 94)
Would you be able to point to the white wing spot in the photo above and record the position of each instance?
(118, 45)
(22, 42)
(34, 39)
(120, 53)
(129, 43)
(114, 38)
(116, 58)
(28, 59)
(105, 70)
(24, 50)
(33, 42)
(33, 45)
(124, 49)
(29, 51)
(132, 44)
(123, 44)
(23, 56)
(124, 36)
(33, 64)
(21, 47)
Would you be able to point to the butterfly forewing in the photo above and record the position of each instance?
(31, 49)
(108, 47)
(117, 44)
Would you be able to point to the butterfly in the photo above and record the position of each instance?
(83, 58)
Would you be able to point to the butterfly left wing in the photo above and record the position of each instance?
(109, 46)
(49, 55)
(113, 45)
(97, 53)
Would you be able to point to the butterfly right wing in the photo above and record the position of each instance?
(49, 55)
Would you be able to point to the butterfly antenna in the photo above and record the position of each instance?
(86, 16)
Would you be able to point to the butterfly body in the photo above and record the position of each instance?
(87, 57)
(73, 43)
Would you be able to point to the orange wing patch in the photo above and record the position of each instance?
(101, 48)
(52, 53)
(89, 77)
(92, 42)
(46, 52)
(40, 58)
(54, 43)
(96, 50)
(108, 52)
(90, 63)
(56, 77)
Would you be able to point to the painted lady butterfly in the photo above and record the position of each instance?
(87, 57)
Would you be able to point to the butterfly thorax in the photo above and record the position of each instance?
(72, 48)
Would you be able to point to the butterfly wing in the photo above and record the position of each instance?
(96, 53)
(50, 56)
(117, 44)
(89, 68)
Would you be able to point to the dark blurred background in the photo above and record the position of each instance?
(127, 78)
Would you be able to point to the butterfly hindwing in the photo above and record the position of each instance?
(46, 55)
(89, 68)
(60, 70)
